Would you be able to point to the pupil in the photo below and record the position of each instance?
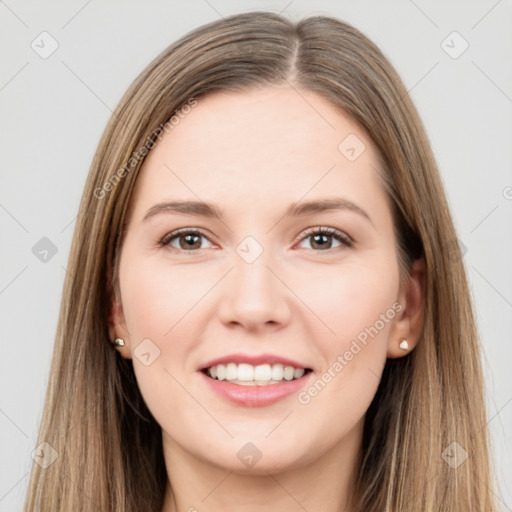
(189, 240)
(320, 235)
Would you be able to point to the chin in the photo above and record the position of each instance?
(253, 458)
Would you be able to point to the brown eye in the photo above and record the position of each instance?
(321, 238)
(188, 240)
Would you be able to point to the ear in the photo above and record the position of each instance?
(117, 326)
(409, 321)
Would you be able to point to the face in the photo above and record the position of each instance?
(272, 280)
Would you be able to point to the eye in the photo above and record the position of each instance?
(321, 237)
(188, 239)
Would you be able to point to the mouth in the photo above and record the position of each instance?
(244, 374)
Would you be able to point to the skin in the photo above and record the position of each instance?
(253, 154)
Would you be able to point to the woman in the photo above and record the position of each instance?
(257, 365)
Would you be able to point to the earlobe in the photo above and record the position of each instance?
(118, 332)
(408, 326)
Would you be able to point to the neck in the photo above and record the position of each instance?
(326, 483)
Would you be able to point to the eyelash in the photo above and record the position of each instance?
(339, 235)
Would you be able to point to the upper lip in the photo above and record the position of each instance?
(253, 360)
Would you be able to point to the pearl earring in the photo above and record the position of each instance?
(403, 344)
(118, 342)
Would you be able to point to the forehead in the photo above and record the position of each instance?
(278, 117)
(259, 146)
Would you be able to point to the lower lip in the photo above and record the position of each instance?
(256, 396)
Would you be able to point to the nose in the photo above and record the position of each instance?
(253, 294)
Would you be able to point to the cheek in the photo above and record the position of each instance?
(352, 298)
(357, 306)
(163, 304)
(157, 298)
(158, 302)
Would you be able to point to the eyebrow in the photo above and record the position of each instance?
(202, 209)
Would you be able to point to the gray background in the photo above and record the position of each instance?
(54, 109)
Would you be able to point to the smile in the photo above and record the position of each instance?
(244, 374)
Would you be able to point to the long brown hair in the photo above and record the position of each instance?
(108, 444)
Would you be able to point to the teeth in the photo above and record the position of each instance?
(277, 372)
(231, 371)
(263, 372)
(244, 372)
(249, 375)
(299, 372)
(288, 372)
